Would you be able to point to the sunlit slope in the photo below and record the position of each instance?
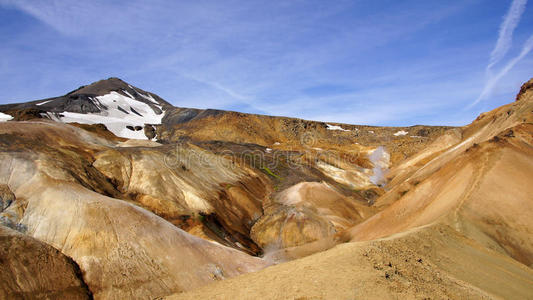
(481, 186)
(434, 262)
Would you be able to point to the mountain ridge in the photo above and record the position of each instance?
(168, 124)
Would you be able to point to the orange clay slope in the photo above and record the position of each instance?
(481, 186)
(456, 223)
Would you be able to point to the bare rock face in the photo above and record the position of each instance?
(149, 131)
(34, 270)
(6, 197)
(526, 91)
(11, 211)
(185, 181)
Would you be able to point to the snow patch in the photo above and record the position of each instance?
(335, 127)
(129, 95)
(371, 131)
(268, 150)
(401, 132)
(116, 120)
(5, 117)
(39, 104)
(149, 98)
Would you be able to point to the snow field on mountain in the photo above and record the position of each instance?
(121, 111)
(5, 117)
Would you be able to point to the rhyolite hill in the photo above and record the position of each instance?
(131, 197)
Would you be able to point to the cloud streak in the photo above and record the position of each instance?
(504, 43)
(493, 80)
(375, 62)
(505, 36)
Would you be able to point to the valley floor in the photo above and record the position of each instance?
(434, 262)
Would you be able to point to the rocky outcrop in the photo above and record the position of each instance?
(100, 130)
(526, 90)
(149, 131)
(34, 270)
(11, 211)
(6, 197)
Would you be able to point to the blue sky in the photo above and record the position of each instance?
(361, 62)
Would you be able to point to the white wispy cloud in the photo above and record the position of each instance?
(504, 43)
(218, 86)
(261, 57)
(58, 14)
(505, 35)
(494, 78)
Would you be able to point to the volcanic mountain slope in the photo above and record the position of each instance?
(217, 196)
(130, 112)
(283, 133)
(116, 206)
(456, 223)
(198, 195)
(125, 110)
(425, 263)
(481, 185)
(220, 185)
(123, 251)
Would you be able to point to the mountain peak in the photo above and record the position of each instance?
(102, 87)
(125, 110)
(526, 89)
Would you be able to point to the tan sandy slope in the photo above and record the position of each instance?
(456, 223)
(480, 186)
(433, 262)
